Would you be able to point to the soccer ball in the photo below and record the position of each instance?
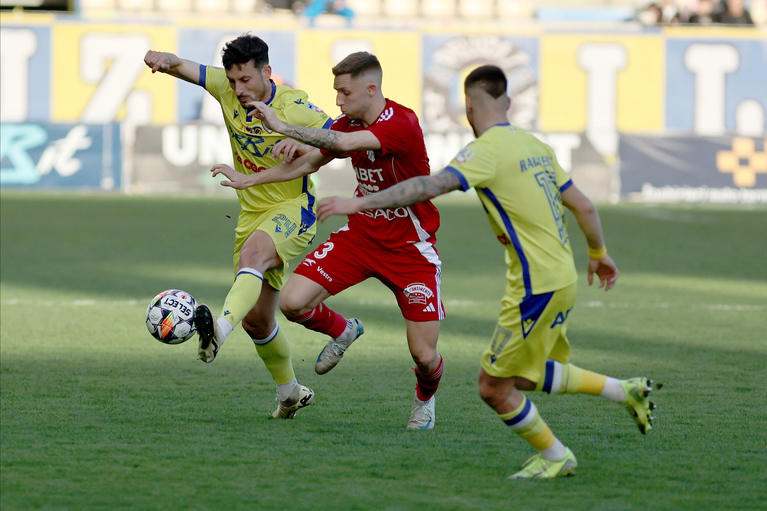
(170, 316)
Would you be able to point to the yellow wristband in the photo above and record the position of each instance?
(597, 253)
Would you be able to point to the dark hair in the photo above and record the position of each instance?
(490, 79)
(357, 64)
(245, 48)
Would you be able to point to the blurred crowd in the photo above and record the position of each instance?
(702, 12)
(659, 12)
(313, 8)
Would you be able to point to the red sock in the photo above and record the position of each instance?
(427, 384)
(324, 320)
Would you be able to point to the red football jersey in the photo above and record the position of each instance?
(402, 156)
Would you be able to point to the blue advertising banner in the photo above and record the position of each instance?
(693, 169)
(60, 156)
(718, 86)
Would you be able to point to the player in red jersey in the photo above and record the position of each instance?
(396, 246)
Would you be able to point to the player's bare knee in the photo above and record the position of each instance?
(490, 394)
(291, 307)
(252, 258)
(425, 359)
(256, 330)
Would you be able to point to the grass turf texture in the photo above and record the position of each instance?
(98, 415)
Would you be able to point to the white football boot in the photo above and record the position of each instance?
(334, 350)
(299, 398)
(423, 415)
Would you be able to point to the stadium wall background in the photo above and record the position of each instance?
(79, 109)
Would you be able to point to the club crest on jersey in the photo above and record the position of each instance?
(371, 155)
(417, 293)
(309, 262)
(465, 155)
(314, 107)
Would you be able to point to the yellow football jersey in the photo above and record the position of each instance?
(252, 142)
(519, 182)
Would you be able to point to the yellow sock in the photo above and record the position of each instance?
(569, 379)
(582, 381)
(527, 423)
(242, 296)
(275, 352)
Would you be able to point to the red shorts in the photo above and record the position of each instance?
(412, 272)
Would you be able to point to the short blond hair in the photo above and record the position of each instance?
(357, 64)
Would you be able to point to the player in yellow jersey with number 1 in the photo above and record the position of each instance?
(277, 221)
(524, 191)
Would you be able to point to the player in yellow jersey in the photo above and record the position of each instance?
(277, 221)
(524, 191)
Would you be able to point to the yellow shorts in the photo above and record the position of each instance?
(290, 225)
(529, 333)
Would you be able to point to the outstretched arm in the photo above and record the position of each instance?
(306, 164)
(169, 63)
(323, 138)
(588, 220)
(410, 191)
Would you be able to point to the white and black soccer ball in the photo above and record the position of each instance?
(170, 316)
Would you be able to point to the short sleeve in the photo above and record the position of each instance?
(474, 165)
(306, 114)
(563, 178)
(214, 80)
(395, 131)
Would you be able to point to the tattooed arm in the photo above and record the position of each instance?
(307, 163)
(317, 137)
(410, 191)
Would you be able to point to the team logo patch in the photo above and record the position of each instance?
(386, 114)
(309, 262)
(314, 107)
(417, 293)
(371, 155)
(464, 156)
(501, 337)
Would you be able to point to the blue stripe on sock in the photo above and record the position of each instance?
(520, 416)
(549, 378)
(249, 271)
(263, 342)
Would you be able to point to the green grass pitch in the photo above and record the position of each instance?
(96, 415)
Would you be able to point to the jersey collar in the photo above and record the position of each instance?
(274, 91)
